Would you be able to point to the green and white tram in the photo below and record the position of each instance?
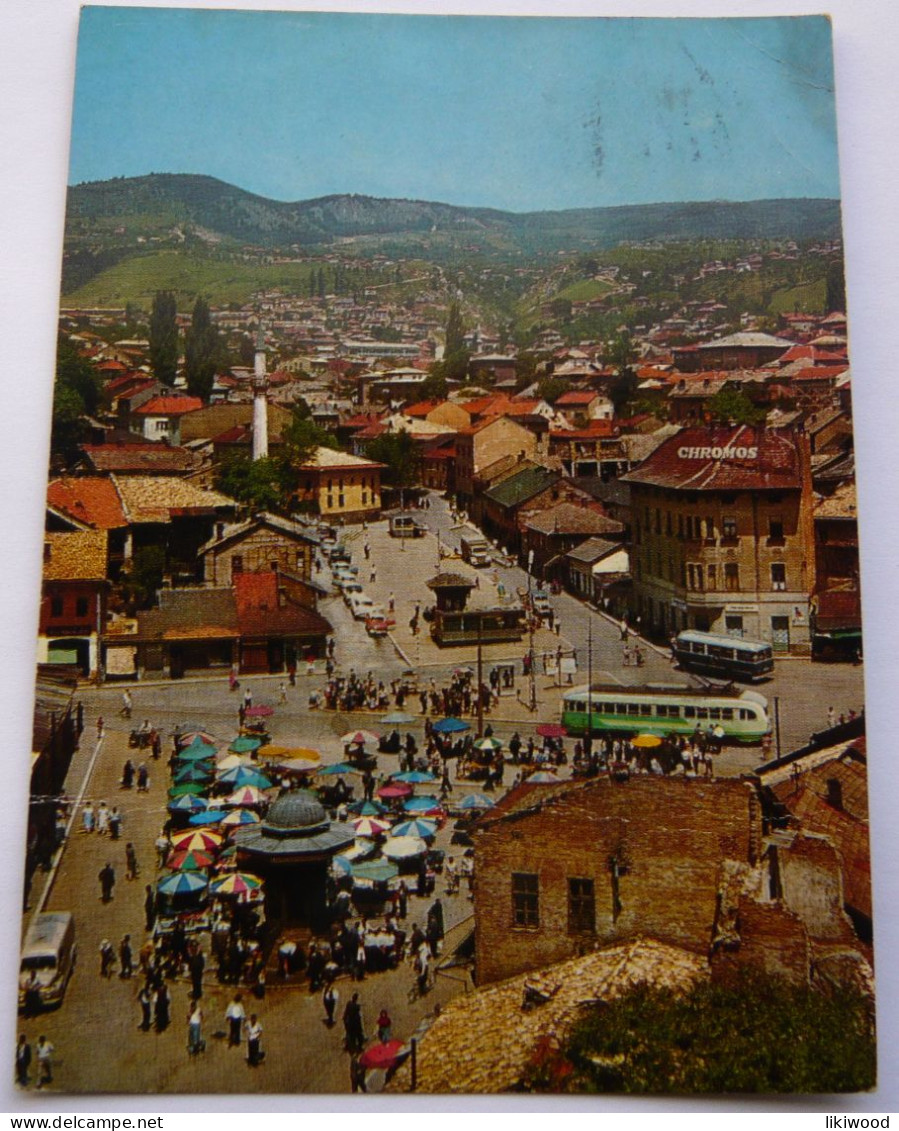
(663, 709)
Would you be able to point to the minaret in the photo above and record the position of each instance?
(260, 405)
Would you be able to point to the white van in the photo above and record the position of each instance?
(48, 957)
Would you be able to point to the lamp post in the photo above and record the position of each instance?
(532, 675)
(588, 742)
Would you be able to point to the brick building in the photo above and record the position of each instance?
(73, 600)
(723, 537)
(484, 443)
(265, 542)
(339, 486)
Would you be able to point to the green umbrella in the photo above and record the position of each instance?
(185, 788)
(377, 870)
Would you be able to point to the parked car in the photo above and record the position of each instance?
(48, 958)
(342, 578)
(361, 605)
(540, 603)
(350, 590)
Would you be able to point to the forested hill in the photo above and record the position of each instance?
(156, 203)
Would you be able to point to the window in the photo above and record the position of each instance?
(712, 578)
(733, 625)
(731, 577)
(581, 907)
(729, 526)
(778, 575)
(776, 531)
(56, 606)
(525, 907)
(81, 606)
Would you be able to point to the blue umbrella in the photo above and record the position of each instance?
(415, 777)
(398, 718)
(244, 775)
(367, 808)
(476, 801)
(337, 768)
(189, 803)
(182, 883)
(210, 817)
(192, 772)
(196, 752)
(340, 866)
(375, 870)
(417, 826)
(245, 744)
(421, 804)
(450, 726)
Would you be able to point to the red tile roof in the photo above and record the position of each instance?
(722, 459)
(260, 614)
(420, 408)
(169, 406)
(576, 396)
(94, 501)
(820, 373)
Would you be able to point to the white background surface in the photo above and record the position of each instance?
(37, 58)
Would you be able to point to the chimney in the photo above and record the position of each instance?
(834, 793)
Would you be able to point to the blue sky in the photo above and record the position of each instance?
(513, 113)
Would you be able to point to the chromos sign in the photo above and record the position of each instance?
(718, 453)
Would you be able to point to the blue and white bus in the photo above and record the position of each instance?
(727, 656)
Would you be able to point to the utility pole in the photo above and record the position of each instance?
(480, 617)
(532, 675)
(589, 743)
(777, 727)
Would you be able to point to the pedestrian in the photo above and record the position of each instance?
(831, 717)
(373, 577)
(115, 823)
(162, 1008)
(143, 778)
(23, 1061)
(87, 818)
(106, 876)
(352, 1025)
(235, 1015)
(126, 704)
(282, 692)
(255, 1054)
(149, 907)
(43, 1050)
(145, 1001)
(156, 745)
(131, 860)
(384, 1025)
(102, 819)
(391, 602)
(126, 964)
(247, 699)
(357, 1075)
(100, 725)
(330, 998)
(403, 899)
(128, 774)
(195, 1042)
(107, 958)
(197, 965)
(162, 849)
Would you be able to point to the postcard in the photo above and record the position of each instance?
(450, 661)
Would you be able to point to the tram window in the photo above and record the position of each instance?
(608, 708)
(714, 712)
(699, 649)
(727, 712)
(673, 712)
(621, 708)
(689, 712)
(702, 713)
(645, 709)
(661, 710)
(633, 709)
(744, 714)
(721, 653)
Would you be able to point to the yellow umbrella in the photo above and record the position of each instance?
(646, 740)
(272, 753)
(196, 840)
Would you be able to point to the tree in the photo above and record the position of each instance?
(621, 354)
(835, 296)
(264, 483)
(732, 406)
(143, 577)
(76, 394)
(302, 436)
(397, 451)
(434, 387)
(550, 389)
(201, 351)
(163, 337)
(454, 333)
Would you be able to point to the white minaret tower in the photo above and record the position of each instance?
(260, 405)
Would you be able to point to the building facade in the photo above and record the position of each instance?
(723, 535)
(340, 487)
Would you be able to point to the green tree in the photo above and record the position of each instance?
(835, 293)
(202, 351)
(76, 394)
(261, 483)
(550, 389)
(143, 576)
(734, 406)
(302, 436)
(397, 451)
(454, 331)
(434, 387)
(163, 337)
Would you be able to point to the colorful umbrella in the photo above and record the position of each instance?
(240, 817)
(542, 777)
(237, 883)
(377, 871)
(232, 761)
(270, 753)
(337, 768)
(404, 847)
(189, 861)
(450, 726)
(245, 744)
(488, 744)
(359, 737)
(189, 803)
(367, 808)
(194, 839)
(246, 795)
(398, 789)
(193, 735)
(199, 748)
(244, 775)
(340, 866)
(210, 817)
(370, 826)
(182, 883)
(417, 826)
(384, 1054)
(398, 718)
(476, 801)
(192, 772)
(551, 730)
(186, 788)
(415, 777)
(260, 711)
(647, 741)
(421, 804)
